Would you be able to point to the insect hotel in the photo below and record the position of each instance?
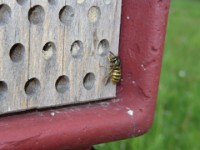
(74, 73)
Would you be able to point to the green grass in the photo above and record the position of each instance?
(177, 120)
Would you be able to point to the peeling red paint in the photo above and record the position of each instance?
(129, 114)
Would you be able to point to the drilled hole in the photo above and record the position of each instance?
(94, 14)
(32, 86)
(48, 50)
(21, 2)
(62, 84)
(5, 14)
(3, 90)
(66, 14)
(89, 81)
(80, 1)
(36, 14)
(52, 2)
(77, 49)
(17, 52)
(103, 47)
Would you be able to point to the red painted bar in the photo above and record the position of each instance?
(129, 114)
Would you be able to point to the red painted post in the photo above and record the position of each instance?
(130, 114)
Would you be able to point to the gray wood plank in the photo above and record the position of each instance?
(14, 37)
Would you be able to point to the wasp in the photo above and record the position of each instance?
(115, 69)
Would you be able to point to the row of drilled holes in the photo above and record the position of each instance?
(17, 51)
(36, 14)
(32, 86)
(53, 2)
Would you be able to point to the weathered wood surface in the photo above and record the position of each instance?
(51, 51)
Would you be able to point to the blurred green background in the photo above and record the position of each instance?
(177, 119)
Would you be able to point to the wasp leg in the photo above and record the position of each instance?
(107, 80)
(103, 66)
(109, 58)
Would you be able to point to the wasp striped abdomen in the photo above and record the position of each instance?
(116, 74)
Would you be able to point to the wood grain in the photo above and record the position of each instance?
(14, 74)
(51, 51)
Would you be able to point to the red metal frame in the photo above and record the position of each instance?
(129, 114)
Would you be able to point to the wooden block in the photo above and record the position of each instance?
(51, 51)
(14, 47)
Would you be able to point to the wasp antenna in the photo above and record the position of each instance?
(112, 53)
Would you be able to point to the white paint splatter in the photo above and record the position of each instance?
(143, 67)
(128, 17)
(53, 113)
(133, 82)
(130, 112)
